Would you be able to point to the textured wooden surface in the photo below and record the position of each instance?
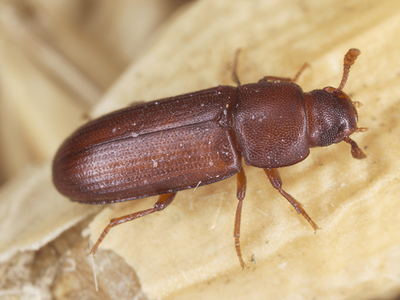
(187, 251)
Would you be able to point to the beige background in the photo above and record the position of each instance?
(187, 251)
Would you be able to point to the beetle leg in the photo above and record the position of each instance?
(234, 73)
(241, 191)
(294, 79)
(275, 179)
(163, 201)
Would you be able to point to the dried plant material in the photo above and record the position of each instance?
(33, 213)
(62, 270)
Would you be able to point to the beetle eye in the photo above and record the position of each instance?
(328, 136)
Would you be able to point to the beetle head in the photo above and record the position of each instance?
(332, 115)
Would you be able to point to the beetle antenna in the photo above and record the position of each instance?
(349, 60)
(361, 129)
(356, 151)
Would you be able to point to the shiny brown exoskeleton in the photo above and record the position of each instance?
(186, 141)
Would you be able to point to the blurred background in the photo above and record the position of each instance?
(57, 58)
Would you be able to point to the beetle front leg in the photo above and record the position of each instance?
(241, 191)
(275, 179)
(163, 201)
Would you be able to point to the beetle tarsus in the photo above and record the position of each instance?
(236, 234)
(100, 239)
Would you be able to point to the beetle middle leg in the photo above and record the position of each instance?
(163, 201)
(241, 191)
(275, 179)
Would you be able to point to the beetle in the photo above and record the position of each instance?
(190, 140)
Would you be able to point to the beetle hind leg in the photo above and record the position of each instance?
(163, 201)
(275, 179)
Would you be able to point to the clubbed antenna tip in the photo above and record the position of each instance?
(349, 60)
